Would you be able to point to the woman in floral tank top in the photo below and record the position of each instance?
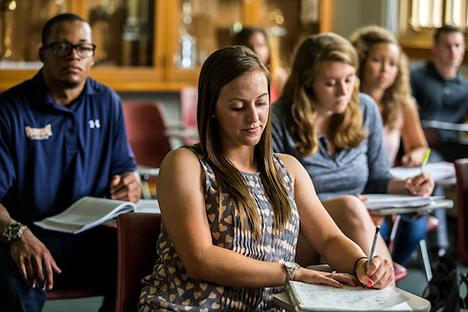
(231, 209)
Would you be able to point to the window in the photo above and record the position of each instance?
(435, 13)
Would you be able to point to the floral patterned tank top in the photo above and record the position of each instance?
(169, 288)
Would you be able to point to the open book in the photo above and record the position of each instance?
(311, 297)
(89, 212)
(382, 201)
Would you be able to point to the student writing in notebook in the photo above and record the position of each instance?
(229, 236)
(336, 133)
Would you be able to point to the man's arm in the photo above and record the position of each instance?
(33, 259)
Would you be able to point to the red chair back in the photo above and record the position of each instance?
(461, 169)
(188, 106)
(136, 240)
(146, 130)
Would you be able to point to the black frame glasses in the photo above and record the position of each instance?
(62, 49)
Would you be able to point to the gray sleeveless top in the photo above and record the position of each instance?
(169, 288)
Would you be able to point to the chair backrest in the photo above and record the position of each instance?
(188, 106)
(136, 238)
(461, 169)
(146, 130)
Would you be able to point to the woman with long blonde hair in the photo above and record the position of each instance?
(384, 75)
(336, 133)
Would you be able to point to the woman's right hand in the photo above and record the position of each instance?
(378, 275)
(325, 278)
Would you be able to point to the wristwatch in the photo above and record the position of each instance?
(13, 231)
(291, 268)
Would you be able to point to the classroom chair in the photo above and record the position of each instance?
(186, 132)
(136, 242)
(461, 170)
(146, 131)
(188, 106)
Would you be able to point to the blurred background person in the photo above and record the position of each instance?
(441, 91)
(384, 75)
(256, 39)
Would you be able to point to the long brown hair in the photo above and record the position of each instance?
(243, 38)
(219, 69)
(346, 129)
(398, 95)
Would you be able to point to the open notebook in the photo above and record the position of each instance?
(89, 212)
(311, 297)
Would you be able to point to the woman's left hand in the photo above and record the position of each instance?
(420, 185)
(379, 274)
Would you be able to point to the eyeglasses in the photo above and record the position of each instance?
(64, 49)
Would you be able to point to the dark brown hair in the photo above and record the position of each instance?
(219, 69)
(445, 30)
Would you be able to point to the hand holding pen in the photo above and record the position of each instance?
(374, 271)
(423, 184)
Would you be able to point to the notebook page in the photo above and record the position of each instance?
(322, 298)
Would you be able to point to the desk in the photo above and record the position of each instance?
(415, 303)
(435, 204)
(460, 130)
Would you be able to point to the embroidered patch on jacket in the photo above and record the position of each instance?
(39, 133)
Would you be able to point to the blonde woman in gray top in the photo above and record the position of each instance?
(231, 209)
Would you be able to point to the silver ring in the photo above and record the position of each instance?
(333, 274)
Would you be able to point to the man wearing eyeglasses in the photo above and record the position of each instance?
(62, 137)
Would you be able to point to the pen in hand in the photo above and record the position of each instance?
(372, 250)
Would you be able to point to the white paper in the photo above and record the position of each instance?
(326, 298)
(439, 171)
(148, 206)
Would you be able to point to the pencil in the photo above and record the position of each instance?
(426, 158)
(372, 250)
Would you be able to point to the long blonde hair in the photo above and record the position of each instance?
(398, 95)
(219, 69)
(346, 130)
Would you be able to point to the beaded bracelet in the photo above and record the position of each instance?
(356, 262)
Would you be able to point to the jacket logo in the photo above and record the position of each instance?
(39, 133)
(94, 123)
